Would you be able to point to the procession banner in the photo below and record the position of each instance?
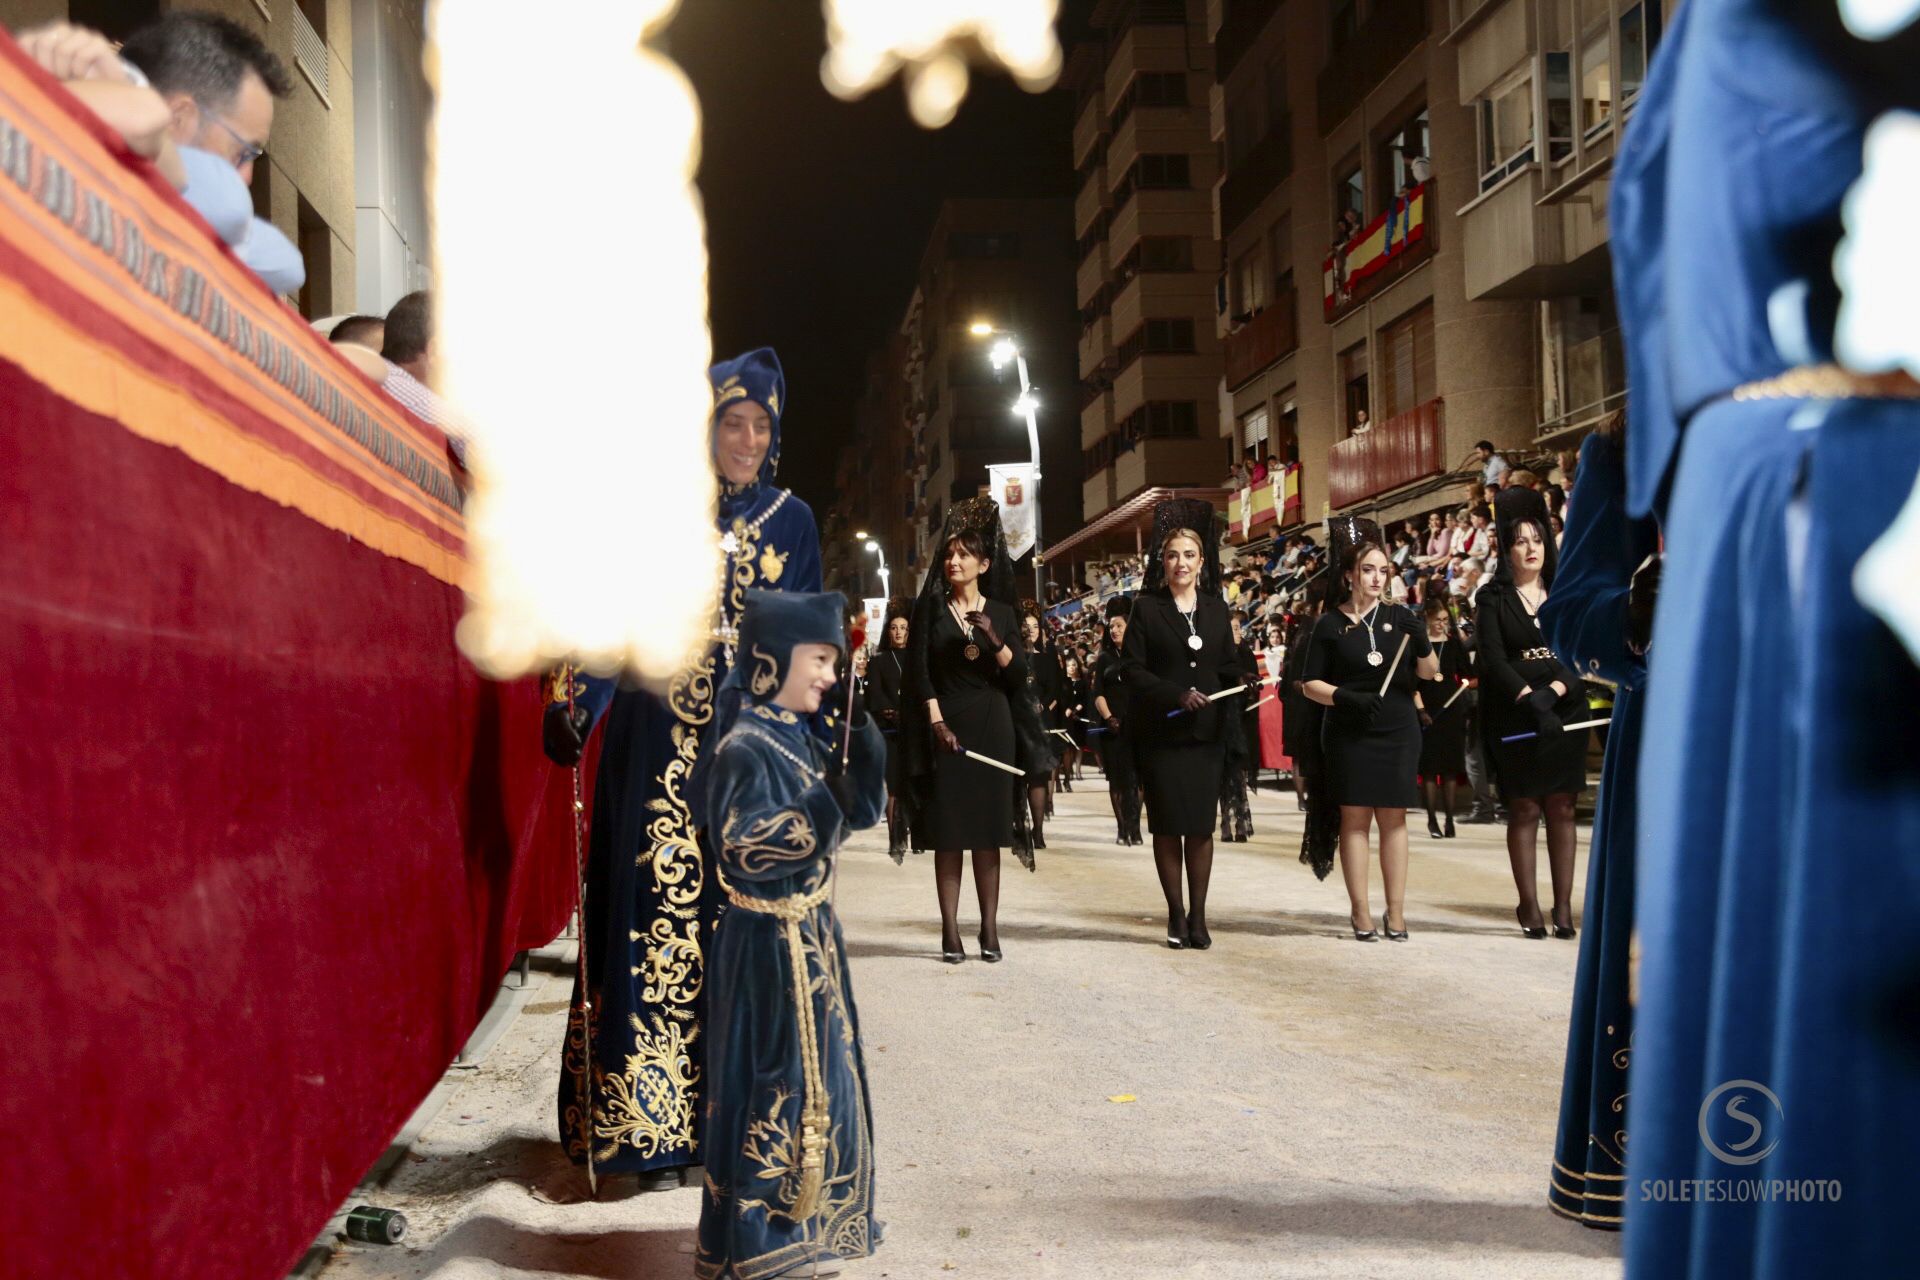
(1011, 484)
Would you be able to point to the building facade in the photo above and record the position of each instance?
(344, 175)
(1149, 352)
(1356, 342)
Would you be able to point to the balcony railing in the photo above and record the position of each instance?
(1404, 448)
(1262, 340)
(1274, 501)
(1384, 250)
(1256, 174)
(1391, 32)
(1244, 21)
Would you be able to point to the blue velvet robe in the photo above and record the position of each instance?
(1585, 618)
(783, 1042)
(1780, 766)
(651, 904)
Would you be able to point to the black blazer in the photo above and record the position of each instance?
(1158, 667)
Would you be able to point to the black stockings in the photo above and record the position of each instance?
(986, 887)
(1196, 853)
(1523, 832)
(896, 823)
(1037, 805)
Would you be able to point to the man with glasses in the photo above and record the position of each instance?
(219, 82)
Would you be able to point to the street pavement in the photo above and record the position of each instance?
(1289, 1103)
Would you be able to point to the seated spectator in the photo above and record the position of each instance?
(219, 82)
(1479, 542)
(1521, 478)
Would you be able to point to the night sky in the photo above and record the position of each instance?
(818, 210)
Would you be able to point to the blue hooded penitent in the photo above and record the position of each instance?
(755, 376)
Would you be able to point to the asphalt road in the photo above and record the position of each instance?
(1289, 1103)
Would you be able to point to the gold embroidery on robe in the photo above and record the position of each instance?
(772, 563)
(786, 836)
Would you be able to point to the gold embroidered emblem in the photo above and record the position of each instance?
(766, 673)
(772, 564)
(564, 683)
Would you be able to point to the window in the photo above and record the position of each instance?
(1162, 420)
(1344, 23)
(1169, 336)
(1349, 191)
(1275, 75)
(1639, 31)
(1286, 440)
(1280, 253)
(1246, 125)
(1406, 363)
(1596, 81)
(1506, 132)
(1165, 253)
(316, 250)
(1162, 173)
(1353, 384)
(1149, 89)
(1250, 283)
(983, 244)
(1559, 84)
(1253, 431)
(1404, 155)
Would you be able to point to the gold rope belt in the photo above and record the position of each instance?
(1831, 382)
(790, 911)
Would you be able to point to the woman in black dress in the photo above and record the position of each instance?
(1179, 648)
(1529, 695)
(967, 691)
(1074, 706)
(1112, 707)
(1043, 686)
(1363, 663)
(1443, 720)
(886, 691)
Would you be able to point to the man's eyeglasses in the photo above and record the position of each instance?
(249, 151)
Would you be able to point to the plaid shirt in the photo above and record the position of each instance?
(420, 399)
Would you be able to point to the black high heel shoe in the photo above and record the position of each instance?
(1433, 828)
(1392, 934)
(954, 956)
(990, 954)
(1451, 833)
(1565, 931)
(1363, 935)
(1198, 939)
(1535, 934)
(1177, 938)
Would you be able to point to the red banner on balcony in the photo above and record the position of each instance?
(1395, 239)
(1404, 448)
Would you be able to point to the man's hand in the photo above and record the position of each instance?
(67, 52)
(945, 739)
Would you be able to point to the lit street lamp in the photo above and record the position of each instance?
(1007, 351)
(886, 580)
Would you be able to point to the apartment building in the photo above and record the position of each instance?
(1358, 341)
(1551, 84)
(344, 175)
(1149, 350)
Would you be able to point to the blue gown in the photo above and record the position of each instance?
(1585, 618)
(651, 906)
(783, 1053)
(1779, 783)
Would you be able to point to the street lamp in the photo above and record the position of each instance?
(886, 579)
(1007, 351)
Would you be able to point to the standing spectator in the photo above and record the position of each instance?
(361, 331)
(408, 351)
(1493, 467)
(1360, 424)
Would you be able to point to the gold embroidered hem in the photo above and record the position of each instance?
(1831, 382)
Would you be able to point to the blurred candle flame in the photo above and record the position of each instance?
(872, 39)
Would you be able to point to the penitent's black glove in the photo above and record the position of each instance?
(563, 734)
(846, 792)
(1545, 723)
(1543, 698)
(1362, 704)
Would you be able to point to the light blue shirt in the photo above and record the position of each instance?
(215, 190)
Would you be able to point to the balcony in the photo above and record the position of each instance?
(1398, 451)
(1096, 344)
(1090, 201)
(1261, 341)
(1244, 21)
(1379, 254)
(1087, 129)
(1254, 177)
(1274, 503)
(1390, 32)
(1090, 278)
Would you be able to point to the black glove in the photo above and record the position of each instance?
(944, 739)
(1362, 704)
(889, 719)
(846, 792)
(979, 621)
(1426, 718)
(1543, 698)
(1643, 593)
(1113, 724)
(1193, 700)
(563, 734)
(1547, 724)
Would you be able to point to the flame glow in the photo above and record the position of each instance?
(573, 333)
(1878, 19)
(872, 39)
(1878, 270)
